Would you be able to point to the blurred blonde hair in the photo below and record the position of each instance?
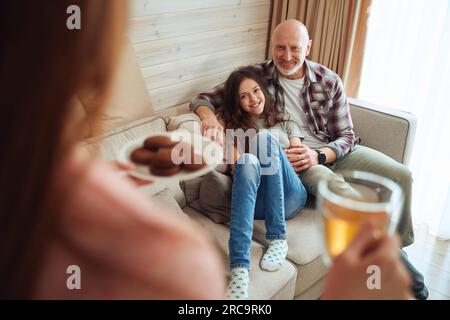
(43, 67)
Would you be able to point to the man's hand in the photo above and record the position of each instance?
(302, 157)
(212, 129)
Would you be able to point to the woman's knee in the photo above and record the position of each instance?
(247, 164)
(247, 158)
(295, 202)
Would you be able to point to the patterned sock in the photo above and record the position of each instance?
(275, 255)
(238, 287)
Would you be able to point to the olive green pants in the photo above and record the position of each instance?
(369, 160)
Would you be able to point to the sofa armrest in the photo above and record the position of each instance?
(384, 129)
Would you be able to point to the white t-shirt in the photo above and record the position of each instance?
(292, 90)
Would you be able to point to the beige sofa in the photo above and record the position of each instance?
(130, 116)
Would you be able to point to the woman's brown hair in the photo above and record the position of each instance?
(43, 67)
(231, 112)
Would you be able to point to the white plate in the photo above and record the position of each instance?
(212, 154)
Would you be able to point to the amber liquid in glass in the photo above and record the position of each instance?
(342, 224)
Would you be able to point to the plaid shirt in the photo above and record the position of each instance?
(322, 99)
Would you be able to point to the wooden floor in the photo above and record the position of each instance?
(432, 258)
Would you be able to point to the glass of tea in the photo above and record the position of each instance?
(351, 198)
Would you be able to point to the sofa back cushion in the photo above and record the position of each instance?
(214, 198)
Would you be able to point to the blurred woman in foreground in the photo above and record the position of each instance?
(60, 207)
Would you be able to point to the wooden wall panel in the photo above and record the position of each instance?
(170, 25)
(141, 8)
(157, 52)
(184, 47)
(169, 73)
(183, 92)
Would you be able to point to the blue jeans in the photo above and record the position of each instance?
(274, 197)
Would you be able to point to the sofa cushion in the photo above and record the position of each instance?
(309, 275)
(215, 197)
(306, 246)
(191, 189)
(109, 144)
(304, 236)
(189, 121)
(313, 293)
(166, 199)
(263, 285)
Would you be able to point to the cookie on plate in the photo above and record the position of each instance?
(156, 142)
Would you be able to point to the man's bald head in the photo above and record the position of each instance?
(292, 26)
(291, 45)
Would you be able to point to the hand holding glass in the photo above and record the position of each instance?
(354, 197)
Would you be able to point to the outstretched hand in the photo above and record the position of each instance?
(125, 168)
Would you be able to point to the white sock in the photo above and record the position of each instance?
(238, 287)
(275, 255)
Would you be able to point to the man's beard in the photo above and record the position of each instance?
(289, 72)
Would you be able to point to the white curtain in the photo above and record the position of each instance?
(406, 65)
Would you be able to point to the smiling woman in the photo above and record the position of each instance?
(252, 97)
(242, 89)
(265, 185)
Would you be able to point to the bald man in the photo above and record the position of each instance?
(314, 97)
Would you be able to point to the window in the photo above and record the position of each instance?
(406, 65)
